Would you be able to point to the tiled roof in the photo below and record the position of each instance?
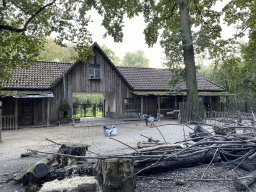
(42, 75)
(151, 79)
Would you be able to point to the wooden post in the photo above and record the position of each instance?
(176, 103)
(117, 175)
(16, 113)
(141, 107)
(48, 112)
(0, 119)
(158, 108)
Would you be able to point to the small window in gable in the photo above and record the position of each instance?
(94, 71)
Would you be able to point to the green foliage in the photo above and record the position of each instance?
(53, 52)
(111, 54)
(136, 59)
(24, 26)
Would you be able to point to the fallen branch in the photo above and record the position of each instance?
(124, 144)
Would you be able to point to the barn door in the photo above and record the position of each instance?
(27, 111)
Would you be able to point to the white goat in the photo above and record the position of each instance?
(110, 131)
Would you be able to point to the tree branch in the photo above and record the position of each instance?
(3, 27)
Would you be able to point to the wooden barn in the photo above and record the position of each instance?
(43, 93)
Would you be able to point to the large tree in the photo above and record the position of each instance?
(174, 18)
(25, 25)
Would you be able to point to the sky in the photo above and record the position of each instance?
(133, 39)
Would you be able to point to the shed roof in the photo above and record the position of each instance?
(42, 75)
(152, 79)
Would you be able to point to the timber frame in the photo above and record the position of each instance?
(33, 96)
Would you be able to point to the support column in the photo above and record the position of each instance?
(16, 113)
(158, 108)
(211, 102)
(175, 102)
(141, 107)
(48, 112)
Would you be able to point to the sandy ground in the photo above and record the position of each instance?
(16, 142)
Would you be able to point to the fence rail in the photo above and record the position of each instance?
(8, 122)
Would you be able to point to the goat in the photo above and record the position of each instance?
(151, 119)
(110, 131)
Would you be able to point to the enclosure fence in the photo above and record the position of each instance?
(220, 114)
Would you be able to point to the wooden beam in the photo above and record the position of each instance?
(16, 113)
(48, 112)
(176, 103)
(141, 107)
(158, 107)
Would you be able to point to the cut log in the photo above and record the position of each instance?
(116, 175)
(37, 170)
(242, 183)
(74, 149)
(88, 184)
(180, 162)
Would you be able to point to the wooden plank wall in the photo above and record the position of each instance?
(77, 80)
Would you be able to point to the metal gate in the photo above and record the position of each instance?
(87, 110)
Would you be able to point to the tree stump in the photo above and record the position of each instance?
(116, 175)
(74, 149)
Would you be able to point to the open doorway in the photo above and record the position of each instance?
(87, 105)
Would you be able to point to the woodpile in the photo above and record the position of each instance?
(117, 172)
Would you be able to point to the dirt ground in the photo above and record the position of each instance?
(16, 142)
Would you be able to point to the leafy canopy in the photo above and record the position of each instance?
(136, 59)
(53, 52)
(25, 24)
(111, 54)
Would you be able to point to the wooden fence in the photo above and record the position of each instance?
(8, 122)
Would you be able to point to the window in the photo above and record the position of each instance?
(132, 103)
(94, 71)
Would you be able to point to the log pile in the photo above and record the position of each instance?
(117, 172)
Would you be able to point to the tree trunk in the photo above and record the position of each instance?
(188, 52)
(116, 175)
